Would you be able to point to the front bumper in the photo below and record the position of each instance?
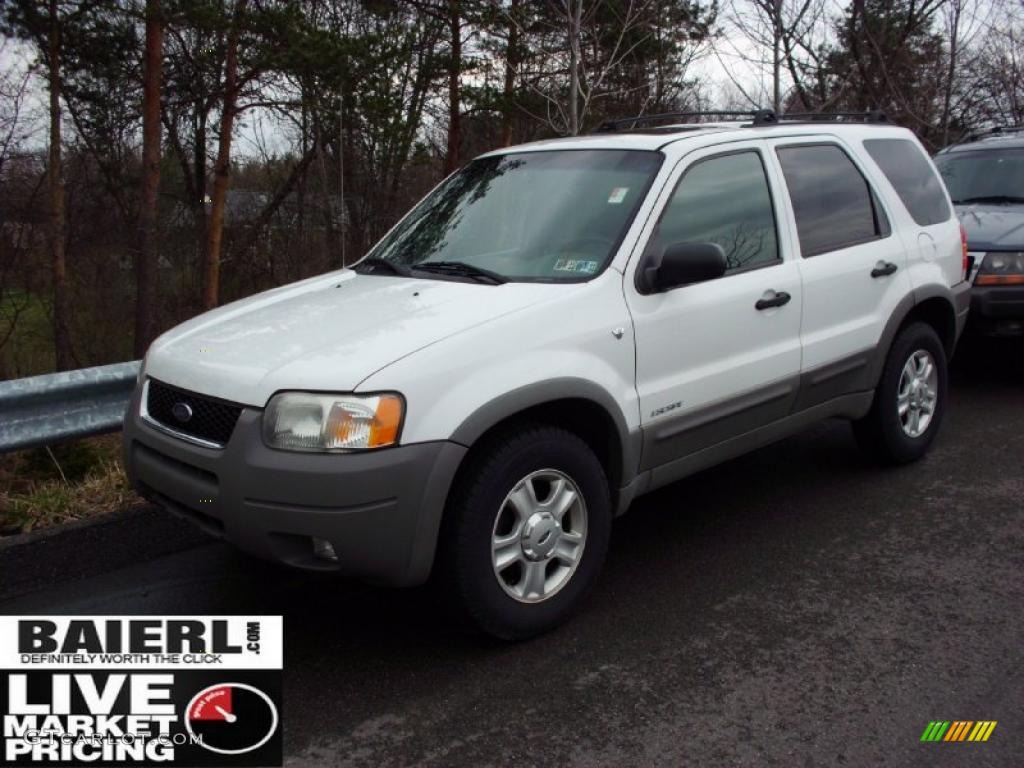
(998, 310)
(380, 510)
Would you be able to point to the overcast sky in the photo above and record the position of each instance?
(727, 70)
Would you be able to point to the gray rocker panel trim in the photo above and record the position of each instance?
(668, 440)
(848, 406)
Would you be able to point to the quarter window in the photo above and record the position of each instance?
(723, 200)
(832, 202)
(913, 178)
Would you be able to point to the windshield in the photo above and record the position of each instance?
(989, 176)
(540, 216)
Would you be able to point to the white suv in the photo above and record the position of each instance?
(555, 330)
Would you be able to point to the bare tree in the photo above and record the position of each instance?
(222, 167)
(779, 40)
(146, 257)
(55, 176)
(997, 77)
(13, 90)
(583, 64)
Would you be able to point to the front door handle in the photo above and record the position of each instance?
(777, 299)
(883, 268)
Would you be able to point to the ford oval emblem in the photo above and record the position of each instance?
(182, 412)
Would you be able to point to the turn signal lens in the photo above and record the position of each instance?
(1001, 268)
(999, 280)
(300, 421)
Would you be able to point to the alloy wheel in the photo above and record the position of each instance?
(539, 535)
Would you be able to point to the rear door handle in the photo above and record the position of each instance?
(883, 268)
(777, 299)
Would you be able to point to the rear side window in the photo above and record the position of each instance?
(913, 178)
(725, 200)
(832, 202)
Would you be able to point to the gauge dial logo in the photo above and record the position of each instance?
(231, 718)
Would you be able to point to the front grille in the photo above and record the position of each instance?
(211, 420)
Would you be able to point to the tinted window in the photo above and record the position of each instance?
(833, 205)
(723, 200)
(911, 175)
(989, 176)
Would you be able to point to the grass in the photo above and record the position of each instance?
(41, 488)
(29, 351)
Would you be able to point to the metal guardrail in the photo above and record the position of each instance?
(60, 406)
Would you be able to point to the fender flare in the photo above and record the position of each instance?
(474, 426)
(899, 315)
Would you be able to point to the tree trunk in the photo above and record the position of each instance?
(222, 169)
(61, 297)
(146, 265)
(575, 14)
(954, 40)
(199, 174)
(451, 158)
(511, 64)
(777, 56)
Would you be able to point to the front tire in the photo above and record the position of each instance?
(910, 399)
(526, 532)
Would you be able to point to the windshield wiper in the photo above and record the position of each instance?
(990, 199)
(461, 269)
(373, 263)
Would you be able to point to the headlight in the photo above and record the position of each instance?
(301, 421)
(1001, 268)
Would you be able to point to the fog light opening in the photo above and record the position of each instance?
(323, 549)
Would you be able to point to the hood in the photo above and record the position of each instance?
(993, 227)
(327, 334)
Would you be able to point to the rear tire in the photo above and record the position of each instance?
(526, 532)
(910, 400)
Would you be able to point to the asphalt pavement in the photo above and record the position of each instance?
(794, 607)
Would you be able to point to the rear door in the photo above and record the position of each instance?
(710, 363)
(853, 266)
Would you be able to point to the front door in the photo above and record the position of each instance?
(718, 358)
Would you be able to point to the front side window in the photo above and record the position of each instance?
(723, 200)
(533, 216)
(990, 176)
(911, 175)
(832, 202)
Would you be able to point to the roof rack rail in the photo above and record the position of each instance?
(870, 116)
(995, 131)
(758, 117)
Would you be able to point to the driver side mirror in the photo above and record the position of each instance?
(685, 263)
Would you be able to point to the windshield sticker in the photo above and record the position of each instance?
(618, 195)
(579, 266)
